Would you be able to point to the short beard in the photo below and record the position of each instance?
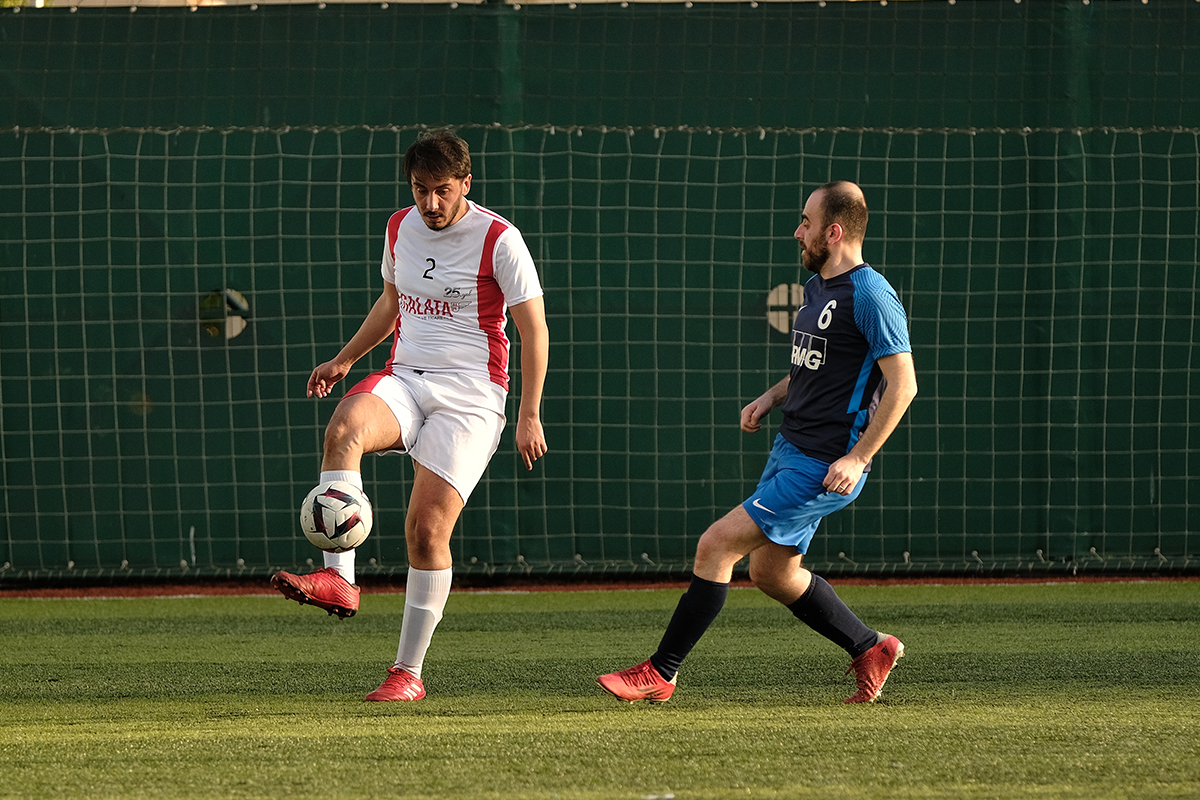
(448, 219)
(814, 259)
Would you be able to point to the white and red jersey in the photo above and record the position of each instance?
(455, 286)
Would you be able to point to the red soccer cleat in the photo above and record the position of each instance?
(642, 682)
(872, 668)
(325, 588)
(400, 684)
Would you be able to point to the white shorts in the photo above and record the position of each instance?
(449, 423)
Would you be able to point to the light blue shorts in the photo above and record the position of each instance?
(790, 500)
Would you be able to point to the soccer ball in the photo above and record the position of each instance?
(336, 516)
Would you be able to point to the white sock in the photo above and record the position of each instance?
(347, 475)
(425, 598)
(342, 562)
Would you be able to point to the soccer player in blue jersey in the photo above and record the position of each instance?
(851, 380)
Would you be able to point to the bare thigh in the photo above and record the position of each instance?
(361, 423)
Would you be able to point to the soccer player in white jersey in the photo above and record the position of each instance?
(452, 270)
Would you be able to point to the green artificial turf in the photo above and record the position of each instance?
(1061, 690)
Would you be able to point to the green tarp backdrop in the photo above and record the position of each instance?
(192, 211)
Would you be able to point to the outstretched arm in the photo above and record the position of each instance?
(901, 378)
(379, 324)
(530, 318)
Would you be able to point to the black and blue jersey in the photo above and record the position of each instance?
(847, 323)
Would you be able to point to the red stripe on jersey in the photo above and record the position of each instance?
(491, 308)
(393, 233)
(393, 229)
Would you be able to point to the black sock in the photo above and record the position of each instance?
(697, 609)
(822, 610)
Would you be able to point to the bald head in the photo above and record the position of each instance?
(843, 202)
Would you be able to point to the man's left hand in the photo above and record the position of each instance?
(844, 474)
(531, 441)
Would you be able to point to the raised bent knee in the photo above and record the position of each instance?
(343, 437)
(360, 424)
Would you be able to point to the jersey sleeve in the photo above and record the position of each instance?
(388, 266)
(881, 318)
(514, 269)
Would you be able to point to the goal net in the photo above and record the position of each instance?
(167, 292)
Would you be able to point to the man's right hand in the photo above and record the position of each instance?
(753, 413)
(321, 382)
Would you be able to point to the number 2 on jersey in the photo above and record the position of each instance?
(432, 267)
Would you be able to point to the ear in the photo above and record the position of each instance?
(467, 184)
(836, 232)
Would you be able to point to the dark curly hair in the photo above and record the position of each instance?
(439, 153)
